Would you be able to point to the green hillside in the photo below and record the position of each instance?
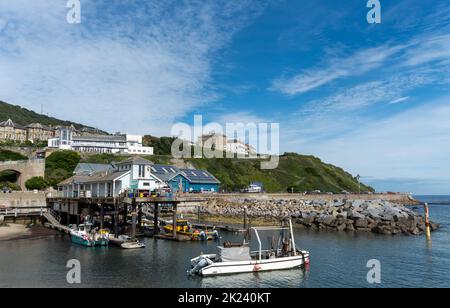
(295, 172)
(24, 116)
(298, 173)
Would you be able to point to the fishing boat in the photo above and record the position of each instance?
(185, 228)
(81, 237)
(101, 238)
(85, 236)
(238, 258)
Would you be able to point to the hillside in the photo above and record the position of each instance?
(24, 117)
(295, 172)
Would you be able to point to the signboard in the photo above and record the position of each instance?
(134, 184)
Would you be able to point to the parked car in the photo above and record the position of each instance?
(6, 190)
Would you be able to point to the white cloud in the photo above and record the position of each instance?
(367, 94)
(356, 64)
(414, 144)
(434, 50)
(133, 68)
(399, 100)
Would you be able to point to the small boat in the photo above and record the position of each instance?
(185, 228)
(101, 238)
(83, 235)
(132, 245)
(237, 258)
(126, 242)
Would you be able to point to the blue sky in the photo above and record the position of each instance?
(373, 99)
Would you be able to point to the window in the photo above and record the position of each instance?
(146, 184)
(141, 171)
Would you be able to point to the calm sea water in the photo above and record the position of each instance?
(337, 260)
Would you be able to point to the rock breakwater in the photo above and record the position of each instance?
(378, 216)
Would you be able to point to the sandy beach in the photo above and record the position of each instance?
(12, 231)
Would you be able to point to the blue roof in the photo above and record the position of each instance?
(199, 176)
(168, 172)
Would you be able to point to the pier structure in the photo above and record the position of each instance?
(113, 212)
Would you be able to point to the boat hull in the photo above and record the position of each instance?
(81, 241)
(237, 267)
(102, 242)
(193, 236)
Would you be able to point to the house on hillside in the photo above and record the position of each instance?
(10, 131)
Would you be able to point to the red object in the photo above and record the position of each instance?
(256, 268)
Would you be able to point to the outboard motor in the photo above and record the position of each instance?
(216, 235)
(203, 235)
(202, 262)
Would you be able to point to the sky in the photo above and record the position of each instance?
(371, 98)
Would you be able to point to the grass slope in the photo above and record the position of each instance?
(295, 172)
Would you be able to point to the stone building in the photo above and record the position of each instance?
(38, 132)
(10, 131)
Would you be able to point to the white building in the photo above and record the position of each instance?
(221, 142)
(133, 173)
(115, 144)
(237, 147)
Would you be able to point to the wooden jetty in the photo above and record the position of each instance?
(66, 210)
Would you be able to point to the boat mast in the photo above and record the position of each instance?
(292, 237)
(259, 243)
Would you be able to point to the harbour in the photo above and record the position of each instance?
(338, 259)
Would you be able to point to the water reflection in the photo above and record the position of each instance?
(282, 279)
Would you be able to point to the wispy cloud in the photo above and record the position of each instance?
(412, 144)
(367, 94)
(354, 65)
(399, 100)
(134, 67)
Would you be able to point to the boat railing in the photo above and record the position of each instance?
(289, 228)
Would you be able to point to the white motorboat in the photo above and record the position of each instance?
(237, 258)
(132, 245)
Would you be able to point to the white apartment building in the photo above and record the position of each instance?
(114, 144)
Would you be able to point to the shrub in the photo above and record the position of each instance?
(38, 183)
(60, 166)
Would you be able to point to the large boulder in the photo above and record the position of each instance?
(326, 220)
(361, 223)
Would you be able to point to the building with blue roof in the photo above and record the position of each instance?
(186, 180)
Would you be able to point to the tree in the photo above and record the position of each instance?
(60, 166)
(37, 182)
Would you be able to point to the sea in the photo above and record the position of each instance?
(342, 259)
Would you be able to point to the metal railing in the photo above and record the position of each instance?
(22, 211)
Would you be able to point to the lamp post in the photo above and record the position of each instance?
(359, 184)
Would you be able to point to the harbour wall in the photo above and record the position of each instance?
(23, 199)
